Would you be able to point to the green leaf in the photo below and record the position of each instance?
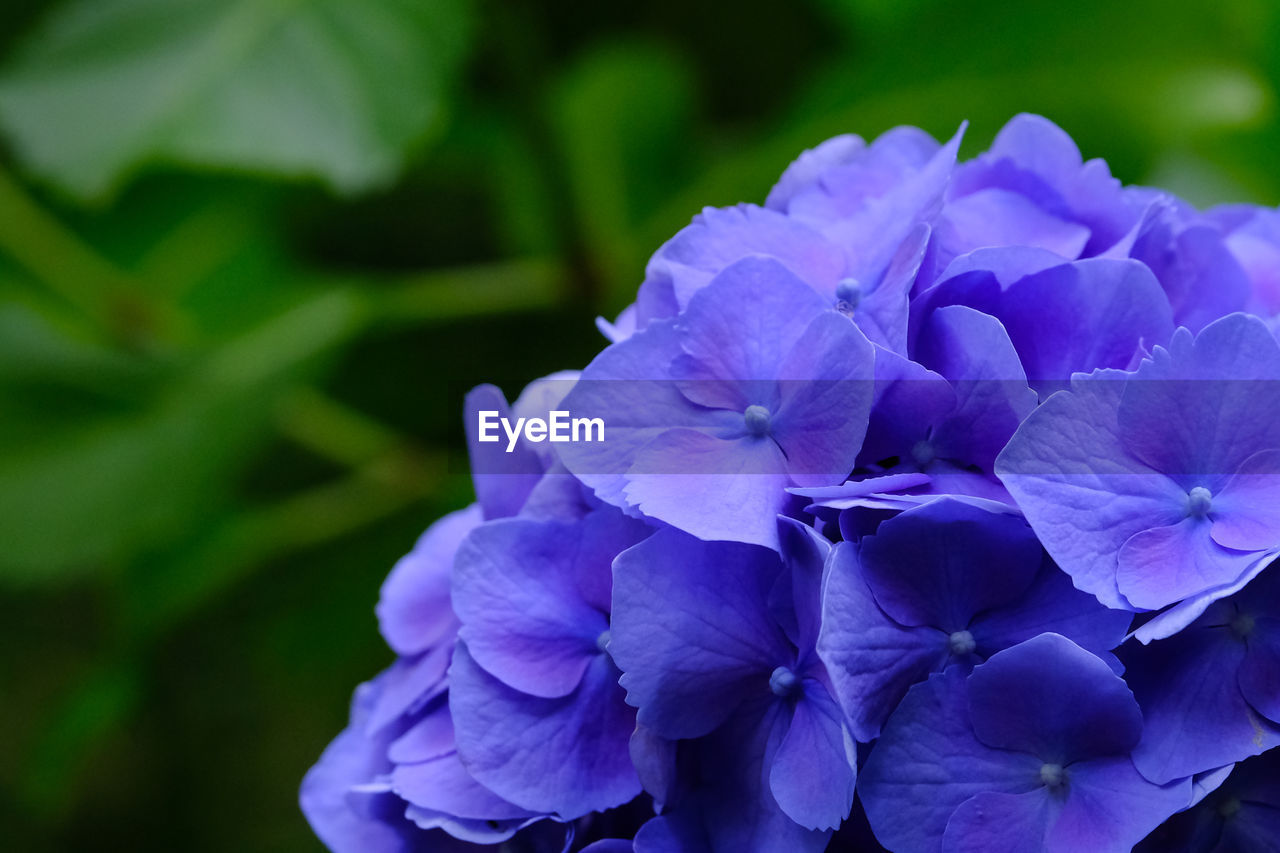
(36, 353)
(332, 89)
(624, 117)
(107, 489)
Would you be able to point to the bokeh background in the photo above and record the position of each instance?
(253, 252)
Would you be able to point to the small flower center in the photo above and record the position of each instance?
(1229, 808)
(1052, 775)
(923, 453)
(848, 295)
(1242, 626)
(783, 682)
(1199, 500)
(602, 641)
(962, 643)
(757, 420)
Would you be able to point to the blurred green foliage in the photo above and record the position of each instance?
(252, 252)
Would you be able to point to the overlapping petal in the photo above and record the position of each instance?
(891, 464)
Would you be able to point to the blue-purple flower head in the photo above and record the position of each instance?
(936, 503)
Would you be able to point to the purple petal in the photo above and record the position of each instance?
(1110, 807)
(1195, 267)
(720, 237)
(1005, 265)
(502, 480)
(909, 399)
(1200, 408)
(463, 833)
(973, 352)
(1255, 244)
(1010, 823)
(430, 737)
(972, 487)
(1256, 829)
(734, 492)
(799, 610)
(904, 491)
(1039, 146)
(728, 804)
(872, 234)
(442, 784)
(346, 821)
(559, 496)
(808, 169)
(654, 758)
(1204, 784)
(825, 401)
(883, 312)
(813, 770)
(1260, 670)
(1255, 784)
(672, 833)
(1052, 605)
(566, 755)
(944, 562)
(1246, 513)
(623, 327)
(609, 845)
(414, 610)
(928, 762)
(845, 189)
(977, 280)
(524, 617)
(998, 217)
(628, 385)
(1082, 710)
(836, 496)
(408, 685)
(1171, 621)
(691, 630)
(871, 659)
(742, 325)
(1156, 568)
(1196, 718)
(1082, 316)
(1082, 493)
(1034, 157)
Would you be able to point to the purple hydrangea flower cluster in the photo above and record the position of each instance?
(935, 512)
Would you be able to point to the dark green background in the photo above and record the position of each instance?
(253, 252)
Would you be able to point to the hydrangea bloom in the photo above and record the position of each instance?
(393, 780)
(1209, 695)
(893, 464)
(1029, 752)
(538, 711)
(1243, 814)
(1185, 453)
(759, 385)
(942, 584)
(717, 637)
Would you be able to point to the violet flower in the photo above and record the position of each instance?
(716, 641)
(538, 714)
(1029, 752)
(757, 386)
(944, 584)
(1160, 487)
(1211, 694)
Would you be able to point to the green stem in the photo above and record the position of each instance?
(257, 536)
(50, 252)
(520, 285)
(334, 431)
